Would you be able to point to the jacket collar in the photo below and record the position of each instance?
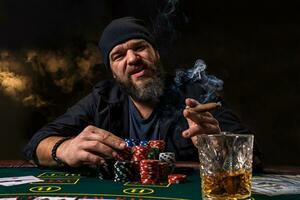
(110, 91)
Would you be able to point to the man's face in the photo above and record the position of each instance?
(135, 65)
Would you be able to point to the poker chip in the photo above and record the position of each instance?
(131, 142)
(128, 142)
(149, 171)
(135, 142)
(144, 142)
(100, 176)
(168, 157)
(105, 170)
(153, 153)
(140, 153)
(176, 178)
(123, 171)
(101, 172)
(160, 144)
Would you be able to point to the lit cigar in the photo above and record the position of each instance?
(206, 107)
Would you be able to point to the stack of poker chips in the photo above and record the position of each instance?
(104, 171)
(140, 153)
(123, 171)
(141, 161)
(149, 171)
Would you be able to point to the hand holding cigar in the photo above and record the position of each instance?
(200, 121)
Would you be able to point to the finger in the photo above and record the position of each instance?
(205, 107)
(197, 130)
(193, 131)
(92, 164)
(89, 157)
(191, 102)
(99, 148)
(200, 118)
(107, 138)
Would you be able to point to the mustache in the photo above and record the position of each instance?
(154, 67)
(137, 66)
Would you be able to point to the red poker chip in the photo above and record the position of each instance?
(139, 153)
(160, 144)
(149, 171)
(176, 178)
(149, 161)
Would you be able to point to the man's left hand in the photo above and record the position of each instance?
(200, 121)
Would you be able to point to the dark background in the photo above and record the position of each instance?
(253, 47)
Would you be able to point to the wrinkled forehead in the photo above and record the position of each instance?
(128, 44)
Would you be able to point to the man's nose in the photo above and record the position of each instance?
(132, 57)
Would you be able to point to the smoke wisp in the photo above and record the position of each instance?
(209, 83)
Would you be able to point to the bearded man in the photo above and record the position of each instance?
(139, 103)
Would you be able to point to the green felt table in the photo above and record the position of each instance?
(73, 184)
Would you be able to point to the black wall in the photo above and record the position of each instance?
(253, 47)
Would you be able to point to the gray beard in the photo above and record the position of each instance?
(148, 93)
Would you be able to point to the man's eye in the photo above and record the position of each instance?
(140, 48)
(117, 57)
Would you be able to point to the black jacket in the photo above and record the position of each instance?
(106, 107)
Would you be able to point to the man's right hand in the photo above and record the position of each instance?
(91, 147)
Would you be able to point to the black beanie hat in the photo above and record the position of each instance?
(119, 31)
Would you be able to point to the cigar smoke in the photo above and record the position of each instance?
(165, 23)
(164, 28)
(210, 84)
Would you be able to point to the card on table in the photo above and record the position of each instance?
(18, 180)
(276, 184)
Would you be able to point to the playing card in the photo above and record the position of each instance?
(276, 184)
(18, 180)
